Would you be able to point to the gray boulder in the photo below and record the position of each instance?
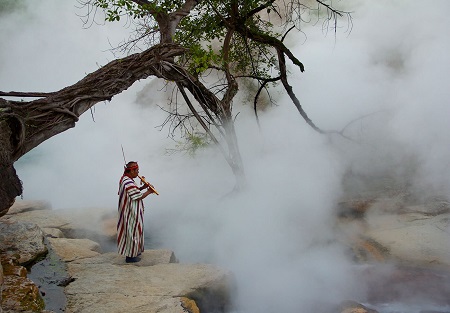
(25, 240)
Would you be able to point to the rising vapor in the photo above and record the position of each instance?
(277, 237)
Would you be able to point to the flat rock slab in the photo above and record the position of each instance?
(149, 258)
(106, 284)
(73, 249)
(42, 218)
(413, 238)
(21, 206)
(60, 223)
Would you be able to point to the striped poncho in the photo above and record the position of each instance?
(130, 226)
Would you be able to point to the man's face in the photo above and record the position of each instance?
(134, 173)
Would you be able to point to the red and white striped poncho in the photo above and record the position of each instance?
(130, 226)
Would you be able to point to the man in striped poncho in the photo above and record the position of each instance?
(130, 226)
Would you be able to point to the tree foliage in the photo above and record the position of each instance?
(226, 40)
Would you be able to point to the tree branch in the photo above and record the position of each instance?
(59, 111)
(288, 88)
(259, 9)
(25, 94)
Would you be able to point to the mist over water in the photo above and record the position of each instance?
(277, 237)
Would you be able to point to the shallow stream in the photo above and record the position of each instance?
(50, 275)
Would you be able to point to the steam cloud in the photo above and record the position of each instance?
(278, 236)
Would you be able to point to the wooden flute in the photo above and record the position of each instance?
(148, 184)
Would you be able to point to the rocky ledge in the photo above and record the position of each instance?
(90, 280)
(401, 243)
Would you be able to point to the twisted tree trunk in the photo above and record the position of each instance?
(24, 125)
(10, 185)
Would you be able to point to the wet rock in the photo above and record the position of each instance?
(21, 295)
(11, 266)
(21, 243)
(1, 276)
(365, 249)
(189, 305)
(24, 239)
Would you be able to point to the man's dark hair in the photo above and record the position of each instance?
(130, 165)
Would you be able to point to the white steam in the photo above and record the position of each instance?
(278, 236)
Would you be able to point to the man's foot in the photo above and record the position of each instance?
(132, 259)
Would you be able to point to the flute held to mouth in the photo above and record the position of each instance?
(142, 178)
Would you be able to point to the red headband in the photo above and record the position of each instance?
(132, 167)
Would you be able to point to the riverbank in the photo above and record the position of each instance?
(400, 247)
(91, 279)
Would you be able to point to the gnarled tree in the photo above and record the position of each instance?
(182, 41)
